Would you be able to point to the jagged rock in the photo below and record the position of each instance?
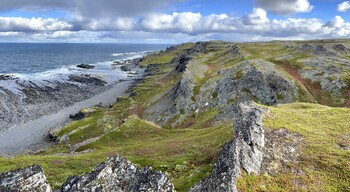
(244, 152)
(181, 63)
(78, 116)
(119, 174)
(87, 79)
(340, 48)
(52, 137)
(125, 68)
(200, 47)
(7, 77)
(316, 49)
(25, 180)
(265, 83)
(171, 48)
(85, 66)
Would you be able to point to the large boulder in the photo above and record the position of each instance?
(25, 180)
(119, 174)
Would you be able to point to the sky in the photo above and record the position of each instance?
(171, 21)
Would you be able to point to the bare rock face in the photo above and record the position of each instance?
(244, 152)
(25, 180)
(119, 174)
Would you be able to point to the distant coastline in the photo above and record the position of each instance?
(30, 107)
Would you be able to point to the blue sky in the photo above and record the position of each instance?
(173, 21)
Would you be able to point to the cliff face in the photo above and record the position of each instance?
(202, 86)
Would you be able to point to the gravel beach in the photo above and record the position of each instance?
(31, 135)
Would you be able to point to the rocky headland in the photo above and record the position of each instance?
(212, 116)
(23, 102)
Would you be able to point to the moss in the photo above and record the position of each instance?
(346, 79)
(239, 74)
(193, 98)
(332, 78)
(214, 95)
(182, 111)
(321, 73)
(196, 89)
(279, 96)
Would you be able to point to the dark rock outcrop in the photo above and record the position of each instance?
(181, 61)
(115, 174)
(25, 180)
(78, 116)
(85, 66)
(7, 77)
(244, 152)
(119, 174)
(316, 49)
(340, 48)
(87, 79)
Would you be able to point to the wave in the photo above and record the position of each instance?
(131, 55)
(63, 72)
(44, 75)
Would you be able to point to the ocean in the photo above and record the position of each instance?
(31, 60)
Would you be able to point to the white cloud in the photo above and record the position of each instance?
(89, 8)
(32, 24)
(108, 24)
(285, 7)
(176, 26)
(337, 27)
(257, 17)
(186, 22)
(337, 22)
(344, 7)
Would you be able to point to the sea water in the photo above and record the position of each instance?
(33, 60)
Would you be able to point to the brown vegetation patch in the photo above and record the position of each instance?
(314, 88)
(137, 110)
(186, 124)
(346, 94)
(145, 152)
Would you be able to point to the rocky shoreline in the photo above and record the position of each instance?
(31, 100)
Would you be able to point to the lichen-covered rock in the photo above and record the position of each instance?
(119, 174)
(281, 148)
(244, 152)
(24, 180)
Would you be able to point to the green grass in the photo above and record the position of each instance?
(239, 74)
(324, 163)
(185, 154)
(165, 56)
(188, 150)
(158, 59)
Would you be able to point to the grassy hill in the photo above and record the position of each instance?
(178, 117)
